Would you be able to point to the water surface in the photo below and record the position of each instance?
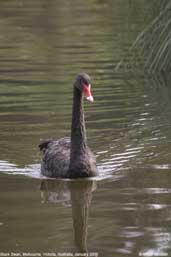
(126, 209)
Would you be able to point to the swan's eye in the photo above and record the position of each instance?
(85, 82)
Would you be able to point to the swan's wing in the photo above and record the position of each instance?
(44, 144)
(56, 157)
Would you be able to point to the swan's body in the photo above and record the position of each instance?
(71, 158)
(56, 160)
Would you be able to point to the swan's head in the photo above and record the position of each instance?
(83, 83)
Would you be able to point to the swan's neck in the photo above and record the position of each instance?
(78, 131)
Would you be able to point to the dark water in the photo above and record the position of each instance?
(126, 210)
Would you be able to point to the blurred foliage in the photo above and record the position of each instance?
(151, 51)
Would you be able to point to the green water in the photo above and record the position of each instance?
(126, 210)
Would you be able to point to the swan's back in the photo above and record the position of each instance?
(56, 157)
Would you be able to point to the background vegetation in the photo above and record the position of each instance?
(151, 51)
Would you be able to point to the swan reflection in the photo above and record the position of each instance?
(76, 194)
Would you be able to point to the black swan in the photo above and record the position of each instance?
(71, 158)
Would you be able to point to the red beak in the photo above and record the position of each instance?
(87, 92)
